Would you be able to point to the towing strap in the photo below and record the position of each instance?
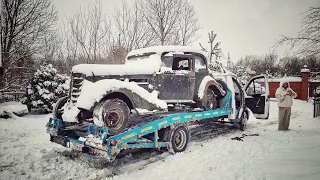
(243, 135)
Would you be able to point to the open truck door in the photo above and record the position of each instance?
(257, 97)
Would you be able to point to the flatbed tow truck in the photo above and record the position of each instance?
(182, 76)
(165, 131)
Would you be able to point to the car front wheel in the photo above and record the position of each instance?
(113, 114)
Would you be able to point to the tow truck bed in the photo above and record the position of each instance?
(148, 134)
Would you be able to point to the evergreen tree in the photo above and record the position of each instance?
(45, 88)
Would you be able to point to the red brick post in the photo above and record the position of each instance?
(252, 73)
(304, 83)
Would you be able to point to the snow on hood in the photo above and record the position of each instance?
(96, 91)
(148, 65)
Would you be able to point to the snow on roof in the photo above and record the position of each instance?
(289, 78)
(160, 49)
(148, 65)
(314, 80)
(305, 70)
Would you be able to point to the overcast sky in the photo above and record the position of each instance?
(244, 27)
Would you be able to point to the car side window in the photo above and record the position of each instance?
(257, 86)
(180, 64)
(199, 63)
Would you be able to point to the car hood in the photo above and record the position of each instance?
(149, 65)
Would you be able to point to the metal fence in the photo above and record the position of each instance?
(11, 96)
(316, 106)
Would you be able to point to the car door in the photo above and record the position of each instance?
(257, 97)
(177, 83)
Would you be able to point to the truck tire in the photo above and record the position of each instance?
(242, 125)
(113, 114)
(244, 120)
(58, 108)
(178, 139)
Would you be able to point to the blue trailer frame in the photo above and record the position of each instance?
(98, 142)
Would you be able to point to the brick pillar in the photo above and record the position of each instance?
(252, 73)
(305, 83)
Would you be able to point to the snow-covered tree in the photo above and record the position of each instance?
(45, 88)
(243, 74)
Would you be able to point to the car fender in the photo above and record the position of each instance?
(132, 99)
(218, 89)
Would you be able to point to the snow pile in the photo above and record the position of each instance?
(70, 115)
(203, 84)
(96, 91)
(13, 107)
(169, 70)
(147, 65)
(45, 88)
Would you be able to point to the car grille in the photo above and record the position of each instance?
(77, 80)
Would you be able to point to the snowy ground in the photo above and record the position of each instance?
(27, 153)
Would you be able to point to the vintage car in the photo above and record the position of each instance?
(152, 80)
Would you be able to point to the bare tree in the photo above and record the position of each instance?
(167, 17)
(131, 29)
(308, 39)
(267, 64)
(24, 23)
(89, 29)
(188, 26)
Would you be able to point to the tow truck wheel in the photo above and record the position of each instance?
(179, 138)
(113, 114)
(243, 122)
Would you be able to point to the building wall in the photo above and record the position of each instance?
(295, 86)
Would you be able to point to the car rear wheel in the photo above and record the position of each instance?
(211, 100)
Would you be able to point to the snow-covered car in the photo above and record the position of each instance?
(154, 79)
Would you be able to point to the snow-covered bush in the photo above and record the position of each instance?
(45, 88)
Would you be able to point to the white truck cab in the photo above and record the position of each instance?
(254, 95)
